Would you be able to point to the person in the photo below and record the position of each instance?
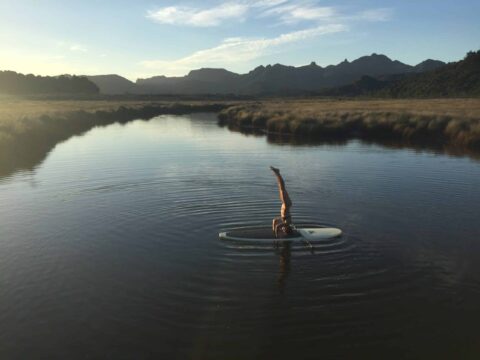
(284, 222)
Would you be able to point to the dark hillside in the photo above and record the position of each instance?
(455, 79)
(13, 83)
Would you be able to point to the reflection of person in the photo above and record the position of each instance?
(284, 266)
(284, 222)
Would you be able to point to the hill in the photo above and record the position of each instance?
(428, 79)
(275, 79)
(201, 81)
(112, 84)
(13, 83)
(457, 79)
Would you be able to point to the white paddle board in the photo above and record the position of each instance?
(266, 235)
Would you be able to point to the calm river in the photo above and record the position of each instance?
(109, 249)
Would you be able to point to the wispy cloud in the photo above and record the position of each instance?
(178, 15)
(293, 13)
(213, 16)
(234, 51)
(71, 46)
(266, 3)
(78, 48)
(283, 11)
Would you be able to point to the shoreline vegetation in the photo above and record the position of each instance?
(433, 123)
(30, 129)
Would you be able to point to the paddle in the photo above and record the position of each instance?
(309, 244)
(305, 240)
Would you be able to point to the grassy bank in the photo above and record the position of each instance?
(454, 122)
(30, 129)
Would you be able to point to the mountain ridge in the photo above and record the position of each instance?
(455, 79)
(270, 79)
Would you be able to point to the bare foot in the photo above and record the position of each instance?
(275, 170)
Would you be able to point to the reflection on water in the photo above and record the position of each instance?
(25, 144)
(285, 253)
(420, 145)
(109, 248)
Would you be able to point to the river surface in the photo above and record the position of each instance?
(109, 249)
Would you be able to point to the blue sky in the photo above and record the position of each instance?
(146, 38)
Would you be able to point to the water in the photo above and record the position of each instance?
(110, 249)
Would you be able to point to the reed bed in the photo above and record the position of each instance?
(444, 121)
(38, 118)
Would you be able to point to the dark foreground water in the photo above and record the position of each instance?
(110, 249)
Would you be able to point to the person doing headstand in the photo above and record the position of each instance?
(284, 222)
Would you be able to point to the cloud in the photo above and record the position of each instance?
(75, 47)
(267, 3)
(78, 48)
(285, 11)
(175, 15)
(291, 13)
(237, 50)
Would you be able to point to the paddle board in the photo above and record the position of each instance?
(266, 235)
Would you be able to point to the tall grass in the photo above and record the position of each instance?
(455, 122)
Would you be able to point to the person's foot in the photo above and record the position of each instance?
(275, 170)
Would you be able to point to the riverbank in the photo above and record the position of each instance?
(30, 129)
(452, 122)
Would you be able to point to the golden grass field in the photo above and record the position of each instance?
(12, 109)
(456, 118)
(18, 116)
(452, 107)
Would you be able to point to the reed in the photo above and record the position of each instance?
(446, 121)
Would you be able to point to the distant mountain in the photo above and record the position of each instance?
(428, 65)
(112, 84)
(456, 79)
(19, 84)
(373, 65)
(275, 79)
(201, 81)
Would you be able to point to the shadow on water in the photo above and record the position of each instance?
(418, 145)
(26, 149)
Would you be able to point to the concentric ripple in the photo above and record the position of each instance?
(110, 249)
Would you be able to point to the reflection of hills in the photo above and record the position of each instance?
(27, 149)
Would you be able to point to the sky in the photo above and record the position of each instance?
(139, 39)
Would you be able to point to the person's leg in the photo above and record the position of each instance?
(284, 197)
